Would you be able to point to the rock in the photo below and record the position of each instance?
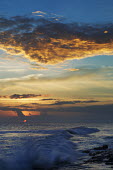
(100, 155)
(95, 153)
(101, 147)
(86, 151)
(92, 152)
(109, 163)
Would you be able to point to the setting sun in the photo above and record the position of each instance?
(24, 121)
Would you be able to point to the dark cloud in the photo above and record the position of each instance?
(3, 96)
(74, 102)
(51, 41)
(63, 102)
(97, 113)
(86, 114)
(48, 99)
(21, 96)
(17, 110)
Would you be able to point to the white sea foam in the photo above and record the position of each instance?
(53, 150)
(82, 130)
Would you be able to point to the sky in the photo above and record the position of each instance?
(56, 54)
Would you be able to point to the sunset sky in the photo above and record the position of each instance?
(56, 53)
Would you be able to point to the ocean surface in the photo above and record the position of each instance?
(31, 146)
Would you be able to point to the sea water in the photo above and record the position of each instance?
(29, 146)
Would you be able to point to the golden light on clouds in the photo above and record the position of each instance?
(72, 69)
(7, 113)
(39, 68)
(30, 113)
(51, 42)
(58, 50)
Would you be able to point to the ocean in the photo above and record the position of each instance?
(33, 146)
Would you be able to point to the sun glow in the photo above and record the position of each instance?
(31, 113)
(24, 121)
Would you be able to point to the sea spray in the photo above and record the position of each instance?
(48, 152)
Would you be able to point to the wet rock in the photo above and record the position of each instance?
(100, 154)
(86, 151)
(93, 153)
(101, 147)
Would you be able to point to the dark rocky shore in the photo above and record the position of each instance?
(98, 155)
(102, 154)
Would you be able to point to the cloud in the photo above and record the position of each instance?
(39, 12)
(21, 96)
(48, 99)
(74, 102)
(3, 96)
(31, 77)
(12, 70)
(80, 73)
(87, 81)
(71, 69)
(49, 41)
(38, 67)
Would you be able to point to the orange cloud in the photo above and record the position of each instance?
(39, 68)
(7, 113)
(72, 69)
(51, 42)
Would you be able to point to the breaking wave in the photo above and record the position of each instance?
(53, 150)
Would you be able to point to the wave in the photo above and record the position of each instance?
(54, 150)
(82, 130)
(30, 131)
